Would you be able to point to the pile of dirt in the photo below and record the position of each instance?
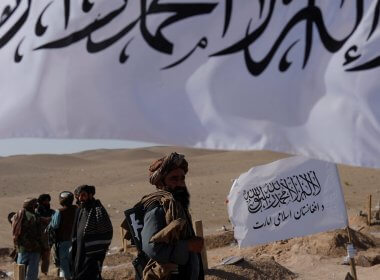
(4, 252)
(367, 261)
(119, 258)
(218, 240)
(264, 268)
(333, 243)
(119, 265)
(329, 244)
(258, 269)
(119, 272)
(358, 221)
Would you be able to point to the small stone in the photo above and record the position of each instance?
(3, 275)
(232, 260)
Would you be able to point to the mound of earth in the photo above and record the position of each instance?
(119, 265)
(119, 272)
(4, 252)
(358, 221)
(119, 258)
(259, 269)
(329, 244)
(367, 261)
(334, 243)
(219, 240)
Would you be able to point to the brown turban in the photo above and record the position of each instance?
(161, 167)
(30, 203)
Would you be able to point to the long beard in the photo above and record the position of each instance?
(181, 195)
(87, 204)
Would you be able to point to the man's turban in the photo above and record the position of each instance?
(85, 188)
(44, 197)
(30, 203)
(66, 198)
(161, 167)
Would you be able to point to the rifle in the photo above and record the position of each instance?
(133, 224)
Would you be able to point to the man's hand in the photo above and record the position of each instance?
(195, 244)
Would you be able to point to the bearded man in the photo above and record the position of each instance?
(168, 236)
(91, 237)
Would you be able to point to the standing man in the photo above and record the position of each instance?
(45, 213)
(92, 235)
(27, 236)
(43, 208)
(168, 236)
(62, 223)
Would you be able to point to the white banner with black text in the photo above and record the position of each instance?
(288, 198)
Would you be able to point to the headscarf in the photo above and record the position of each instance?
(16, 224)
(161, 167)
(11, 216)
(76, 191)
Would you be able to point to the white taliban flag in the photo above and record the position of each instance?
(288, 198)
(300, 77)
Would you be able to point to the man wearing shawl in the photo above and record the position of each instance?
(168, 236)
(92, 235)
(27, 236)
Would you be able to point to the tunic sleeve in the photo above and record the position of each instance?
(178, 253)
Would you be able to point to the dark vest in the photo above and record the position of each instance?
(63, 233)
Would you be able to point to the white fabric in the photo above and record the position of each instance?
(65, 73)
(351, 251)
(287, 198)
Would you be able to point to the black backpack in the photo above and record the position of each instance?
(134, 220)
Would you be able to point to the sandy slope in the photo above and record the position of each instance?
(121, 180)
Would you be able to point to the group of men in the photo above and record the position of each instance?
(81, 233)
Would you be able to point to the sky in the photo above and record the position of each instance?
(28, 146)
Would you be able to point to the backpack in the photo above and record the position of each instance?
(134, 223)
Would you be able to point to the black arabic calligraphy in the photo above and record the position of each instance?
(311, 16)
(287, 215)
(282, 191)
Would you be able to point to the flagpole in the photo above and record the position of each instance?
(352, 260)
